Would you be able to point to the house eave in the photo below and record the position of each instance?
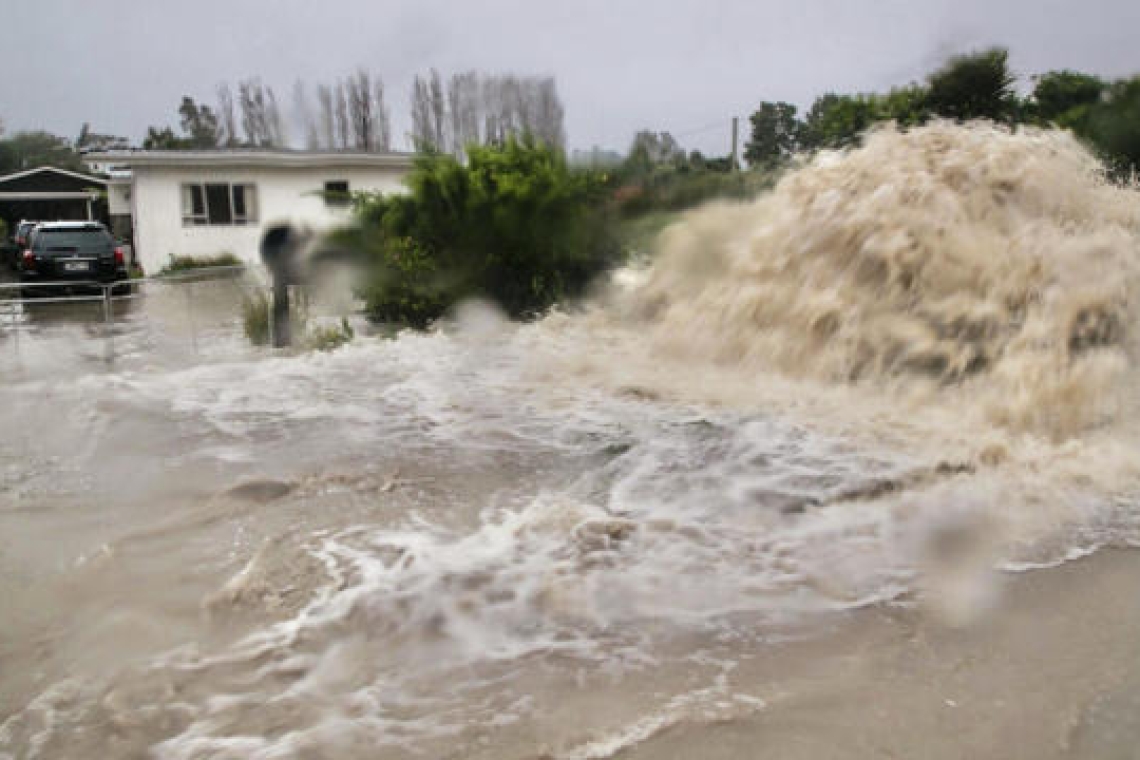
(251, 159)
(50, 196)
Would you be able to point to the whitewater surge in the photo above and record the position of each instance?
(1000, 264)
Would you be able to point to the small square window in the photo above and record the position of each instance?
(337, 194)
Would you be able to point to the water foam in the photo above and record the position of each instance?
(966, 258)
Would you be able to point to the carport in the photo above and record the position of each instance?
(50, 194)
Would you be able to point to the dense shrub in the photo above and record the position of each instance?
(514, 225)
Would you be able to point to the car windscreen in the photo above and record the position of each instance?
(49, 240)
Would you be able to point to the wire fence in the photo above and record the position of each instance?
(182, 305)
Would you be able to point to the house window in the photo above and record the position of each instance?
(218, 203)
(336, 193)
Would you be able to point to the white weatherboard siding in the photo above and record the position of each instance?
(284, 194)
(118, 197)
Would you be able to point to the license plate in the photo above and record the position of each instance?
(75, 266)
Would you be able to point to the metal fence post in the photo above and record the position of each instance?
(108, 331)
(190, 313)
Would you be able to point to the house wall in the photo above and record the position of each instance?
(119, 198)
(283, 195)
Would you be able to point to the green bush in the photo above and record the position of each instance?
(514, 225)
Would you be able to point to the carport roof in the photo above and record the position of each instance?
(47, 183)
(25, 179)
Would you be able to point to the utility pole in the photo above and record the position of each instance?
(735, 122)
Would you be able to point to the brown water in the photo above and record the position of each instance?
(907, 370)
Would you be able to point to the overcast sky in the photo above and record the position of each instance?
(686, 66)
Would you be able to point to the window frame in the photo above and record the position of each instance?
(197, 214)
(337, 198)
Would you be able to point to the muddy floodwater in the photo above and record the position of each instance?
(848, 471)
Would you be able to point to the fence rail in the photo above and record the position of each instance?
(106, 294)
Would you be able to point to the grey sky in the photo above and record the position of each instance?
(621, 65)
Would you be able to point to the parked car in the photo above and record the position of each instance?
(19, 244)
(67, 252)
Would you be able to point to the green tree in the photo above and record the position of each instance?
(1065, 97)
(976, 86)
(164, 139)
(199, 124)
(28, 150)
(1112, 126)
(906, 106)
(775, 134)
(837, 121)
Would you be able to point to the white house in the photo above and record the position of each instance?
(205, 203)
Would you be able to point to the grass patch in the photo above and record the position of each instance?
(329, 337)
(255, 319)
(178, 264)
(323, 337)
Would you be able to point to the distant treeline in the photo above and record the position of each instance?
(352, 113)
(1105, 114)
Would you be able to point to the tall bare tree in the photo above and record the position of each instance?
(423, 135)
(227, 123)
(485, 109)
(343, 126)
(260, 117)
(305, 118)
(327, 116)
(371, 125)
(383, 119)
(439, 113)
(275, 124)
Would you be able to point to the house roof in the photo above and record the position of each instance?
(251, 158)
(48, 178)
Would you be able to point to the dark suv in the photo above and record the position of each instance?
(66, 252)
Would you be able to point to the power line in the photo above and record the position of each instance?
(719, 124)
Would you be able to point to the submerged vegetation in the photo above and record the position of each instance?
(255, 318)
(314, 336)
(330, 336)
